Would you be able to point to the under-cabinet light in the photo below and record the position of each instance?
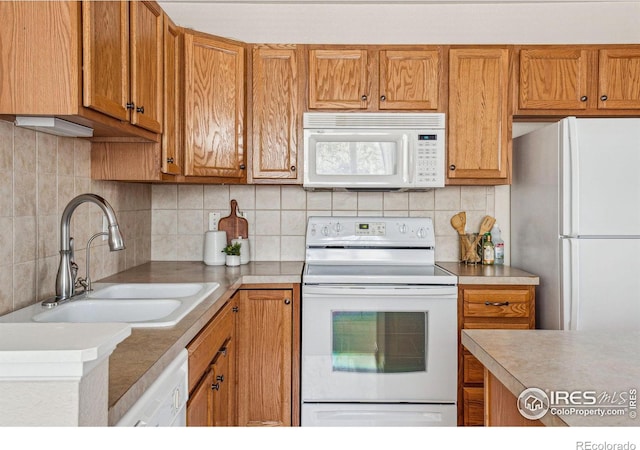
(53, 125)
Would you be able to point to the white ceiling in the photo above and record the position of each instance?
(412, 22)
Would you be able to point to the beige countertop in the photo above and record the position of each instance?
(138, 360)
(606, 363)
(493, 274)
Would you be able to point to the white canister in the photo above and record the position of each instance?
(245, 249)
(214, 244)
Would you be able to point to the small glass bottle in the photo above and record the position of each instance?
(488, 250)
(498, 245)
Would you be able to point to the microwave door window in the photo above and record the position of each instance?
(379, 342)
(356, 158)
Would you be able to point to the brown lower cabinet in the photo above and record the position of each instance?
(212, 372)
(243, 368)
(486, 307)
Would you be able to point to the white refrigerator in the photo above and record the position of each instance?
(575, 221)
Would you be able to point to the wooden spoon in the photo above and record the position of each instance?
(485, 227)
(458, 222)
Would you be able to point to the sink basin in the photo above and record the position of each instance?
(139, 304)
(148, 290)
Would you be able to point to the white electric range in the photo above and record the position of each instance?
(379, 325)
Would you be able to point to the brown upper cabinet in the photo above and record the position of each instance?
(173, 126)
(275, 120)
(98, 64)
(375, 78)
(580, 80)
(479, 125)
(122, 54)
(214, 114)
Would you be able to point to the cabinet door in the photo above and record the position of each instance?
(338, 79)
(409, 79)
(40, 58)
(554, 78)
(105, 52)
(172, 126)
(479, 128)
(199, 406)
(214, 107)
(223, 389)
(264, 357)
(146, 65)
(276, 114)
(619, 79)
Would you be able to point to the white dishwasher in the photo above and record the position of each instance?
(164, 403)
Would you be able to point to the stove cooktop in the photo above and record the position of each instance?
(377, 274)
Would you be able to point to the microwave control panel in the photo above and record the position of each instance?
(429, 159)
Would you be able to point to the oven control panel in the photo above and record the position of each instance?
(370, 229)
(374, 231)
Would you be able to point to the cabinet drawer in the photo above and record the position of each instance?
(496, 303)
(473, 404)
(205, 346)
(472, 369)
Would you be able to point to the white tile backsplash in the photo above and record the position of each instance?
(277, 233)
(41, 174)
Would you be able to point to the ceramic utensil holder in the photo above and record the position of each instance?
(214, 244)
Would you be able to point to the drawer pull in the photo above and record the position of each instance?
(488, 303)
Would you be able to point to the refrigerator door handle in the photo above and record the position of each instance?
(570, 284)
(571, 176)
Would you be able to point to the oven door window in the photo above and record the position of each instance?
(379, 342)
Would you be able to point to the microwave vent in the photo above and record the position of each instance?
(403, 121)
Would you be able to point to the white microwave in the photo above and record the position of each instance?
(374, 151)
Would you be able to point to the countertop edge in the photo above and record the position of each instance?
(489, 275)
(133, 393)
(504, 376)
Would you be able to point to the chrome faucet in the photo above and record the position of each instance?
(65, 280)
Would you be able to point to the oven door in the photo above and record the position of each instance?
(379, 344)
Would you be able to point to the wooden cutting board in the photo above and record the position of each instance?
(233, 225)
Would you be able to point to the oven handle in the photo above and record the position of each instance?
(442, 291)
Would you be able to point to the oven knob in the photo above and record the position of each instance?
(403, 228)
(325, 230)
(338, 227)
(422, 233)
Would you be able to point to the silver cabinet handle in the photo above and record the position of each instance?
(287, 301)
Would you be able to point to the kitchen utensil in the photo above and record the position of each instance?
(485, 227)
(233, 224)
(458, 222)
